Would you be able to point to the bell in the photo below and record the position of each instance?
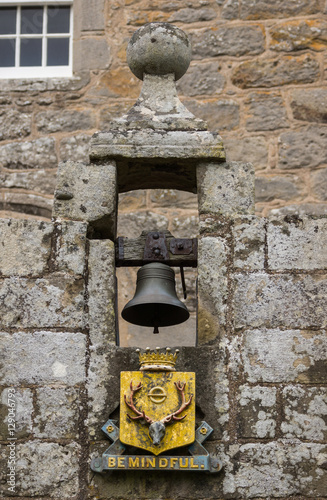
(155, 302)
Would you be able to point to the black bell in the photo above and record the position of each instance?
(155, 302)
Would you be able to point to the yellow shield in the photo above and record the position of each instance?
(147, 397)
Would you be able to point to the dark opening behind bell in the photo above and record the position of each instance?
(155, 302)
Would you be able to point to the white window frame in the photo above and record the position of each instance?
(30, 72)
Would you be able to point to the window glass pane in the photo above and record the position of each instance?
(58, 52)
(32, 20)
(7, 20)
(31, 52)
(7, 53)
(58, 19)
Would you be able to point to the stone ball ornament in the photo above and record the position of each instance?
(159, 49)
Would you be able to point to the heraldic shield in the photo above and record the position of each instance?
(157, 409)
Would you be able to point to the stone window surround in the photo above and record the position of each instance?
(88, 37)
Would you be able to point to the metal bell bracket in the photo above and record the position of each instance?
(199, 459)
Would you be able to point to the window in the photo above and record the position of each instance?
(35, 39)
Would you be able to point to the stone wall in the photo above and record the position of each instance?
(260, 364)
(258, 77)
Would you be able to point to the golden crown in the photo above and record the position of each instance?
(156, 360)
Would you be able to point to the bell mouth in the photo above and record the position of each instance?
(155, 314)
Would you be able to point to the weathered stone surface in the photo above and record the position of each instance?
(173, 197)
(26, 203)
(257, 411)
(212, 288)
(299, 35)
(159, 49)
(53, 469)
(92, 15)
(185, 226)
(319, 184)
(305, 411)
(131, 225)
(43, 358)
(277, 187)
(57, 413)
(44, 84)
(70, 250)
(265, 9)
(189, 15)
(285, 70)
(313, 209)
(202, 79)
(226, 188)
(252, 149)
(40, 153)
(64, 120)
(40, 181)
(75, 148)
(87, 193)
(117, 82)
(280, 301)
(25, 247)
(91, 53)
(228, 40)
(14, 125)
(16, 404)
(303, 148)
(265, 111)
(310, 104)
(55, 301)
(230, 9)
(297, 244)
(278, 469)
(222, 114)
(285, 356)
(101, 293)
(132, 200)
(249, 242)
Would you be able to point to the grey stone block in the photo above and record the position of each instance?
(249, 242)
(189, 15)
(303, 148)
(202, 79)
(221, 114)
(228, 40)
(319, 184)
(225, 189)
(279, 469)
(40, 153)
(265, 112)
(288, 301)
(17, 404)
(297, 244)
(212, 288)
(40, 181)
(305, 410)
(310, 104)
(70, 251)
(277, 187)
(56, 301)
(43, 358)
(14, 125)
(25, 247)
(101, 293)
(92, 14)
(57, 413)
(252, 149)
(75, 148)
(67, 120)
(52, 470)
(91, 53)
(273, 72)
(250, 9)
(87, 193)
(257, 412)
(285, 356)
(301, 34)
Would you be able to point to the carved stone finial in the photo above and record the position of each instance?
(159, 49)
